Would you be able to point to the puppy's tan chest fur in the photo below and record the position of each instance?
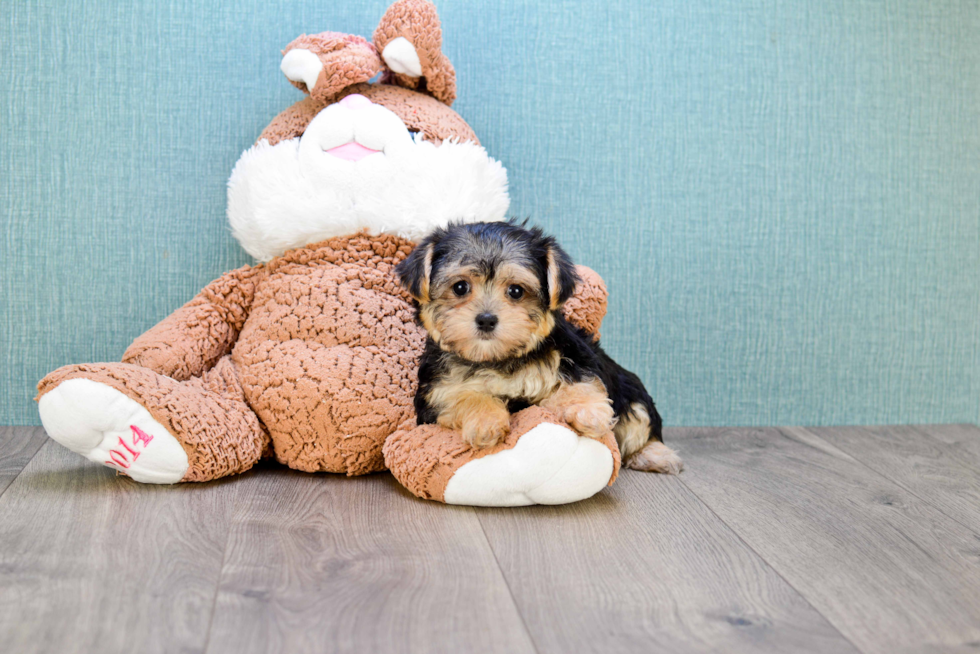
(533, 382)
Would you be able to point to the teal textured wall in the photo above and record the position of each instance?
(783, 196)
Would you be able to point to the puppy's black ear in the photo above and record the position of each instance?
(562, 276)
(415, 271)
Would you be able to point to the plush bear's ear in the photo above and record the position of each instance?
(562, 276)
(409, 38)
(415, 272)
(325, 64)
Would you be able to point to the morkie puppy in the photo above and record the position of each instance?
(490, 297)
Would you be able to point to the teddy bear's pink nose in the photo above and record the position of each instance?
(355, 101)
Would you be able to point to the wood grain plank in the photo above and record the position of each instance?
(326, 563)
(646, 567)
(939, 464)
(18, 445)
(891, 572)
(92, 562)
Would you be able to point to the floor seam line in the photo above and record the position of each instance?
(893, 481)
(27, 463)
(771, 567)
(221, 572)
(510, 592)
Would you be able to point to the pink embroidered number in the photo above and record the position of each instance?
(119, 456)
(140, 435)
(118, 459)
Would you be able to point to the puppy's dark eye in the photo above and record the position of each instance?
(515, 292)
(461, 289)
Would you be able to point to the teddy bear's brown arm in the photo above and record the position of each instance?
(587, 306)
(191, 340)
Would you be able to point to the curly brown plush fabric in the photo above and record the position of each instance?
(350, 61)
(292, 122)
(208, 414)
(328, 354)
(418, 22)
(346, 60)
(189, 341)
(425, 458)
(418, 111)
(314, 352)
(587, 307)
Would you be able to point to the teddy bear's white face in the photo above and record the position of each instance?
(358, 167)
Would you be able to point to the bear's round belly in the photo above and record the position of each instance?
(328, 359)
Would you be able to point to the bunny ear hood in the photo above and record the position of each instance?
(354, 156)
(407, 47)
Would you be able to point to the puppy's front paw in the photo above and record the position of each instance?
(486, 432)
(590, 419)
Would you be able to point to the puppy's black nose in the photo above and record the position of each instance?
(486, 322)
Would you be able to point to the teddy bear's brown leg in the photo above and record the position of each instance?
(151, 427)
(541, 461)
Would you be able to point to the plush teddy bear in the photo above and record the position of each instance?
(310, 356)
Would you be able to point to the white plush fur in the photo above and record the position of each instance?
(91, 419)
(294, 193)
(549, 465)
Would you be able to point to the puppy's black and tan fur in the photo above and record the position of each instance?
(490, 297)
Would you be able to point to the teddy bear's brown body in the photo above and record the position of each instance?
(311, 356)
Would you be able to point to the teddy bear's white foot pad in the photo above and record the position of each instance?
(550, 464)
(108, 427)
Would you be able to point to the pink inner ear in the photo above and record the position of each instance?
(351, 151)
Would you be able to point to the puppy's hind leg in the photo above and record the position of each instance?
(656, 457)
(639, 450)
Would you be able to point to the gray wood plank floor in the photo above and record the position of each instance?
(859, 539)
(328, 563)
(91, 562)
(644, 567)
(890, 571)
(939, 464)
(18, 445)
